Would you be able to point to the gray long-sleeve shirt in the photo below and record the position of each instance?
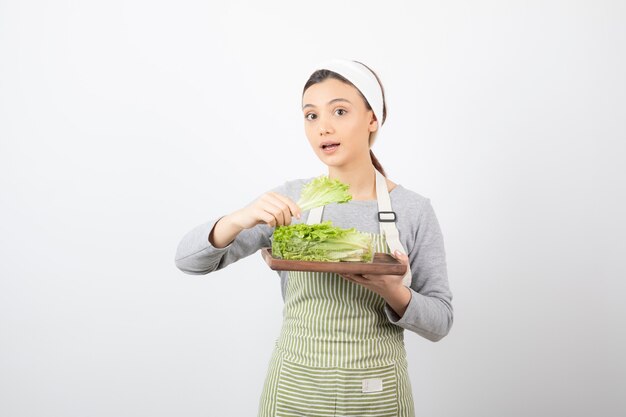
(429, 312)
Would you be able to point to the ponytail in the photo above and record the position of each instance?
(377, 164)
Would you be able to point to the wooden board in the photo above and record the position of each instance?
(383, 263)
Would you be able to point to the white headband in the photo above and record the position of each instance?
(364, 80)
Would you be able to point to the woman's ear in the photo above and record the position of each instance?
(373, 125)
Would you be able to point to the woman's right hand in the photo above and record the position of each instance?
(271, 208)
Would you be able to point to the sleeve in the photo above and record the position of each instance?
(429, 313)
(196, 255)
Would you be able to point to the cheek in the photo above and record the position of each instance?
(311, 139)
(352, 126)
(310, 133)
(354, 134)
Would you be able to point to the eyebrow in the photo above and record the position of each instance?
(330, 102)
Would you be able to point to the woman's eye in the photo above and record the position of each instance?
(310, 116)
(342, 112)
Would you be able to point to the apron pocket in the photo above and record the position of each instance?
(311, 391)
(368, 392)
(305, 390)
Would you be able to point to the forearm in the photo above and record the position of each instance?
(398, 299)
(218, 243)
(196, 253)
(428, 316)
(224, 232)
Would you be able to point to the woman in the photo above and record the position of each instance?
(341, 348)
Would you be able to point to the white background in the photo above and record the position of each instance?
(123, 124)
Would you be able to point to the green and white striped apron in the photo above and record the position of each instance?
(337, 353)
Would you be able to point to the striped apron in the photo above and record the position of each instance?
(337, 353)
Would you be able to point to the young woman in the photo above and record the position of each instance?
(341, 348)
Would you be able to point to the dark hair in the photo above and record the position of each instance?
(324, 74)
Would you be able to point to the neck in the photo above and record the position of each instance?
(359, 175)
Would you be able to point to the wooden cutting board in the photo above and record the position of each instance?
(383, 263)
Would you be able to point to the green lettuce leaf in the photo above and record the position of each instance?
(321, 191)
(321, 242)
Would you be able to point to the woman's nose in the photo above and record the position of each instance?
(325, 125)
(325, 128)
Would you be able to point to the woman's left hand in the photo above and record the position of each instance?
(384, 285)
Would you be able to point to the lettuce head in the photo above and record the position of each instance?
(321, 242)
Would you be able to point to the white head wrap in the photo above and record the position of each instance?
(364, 80)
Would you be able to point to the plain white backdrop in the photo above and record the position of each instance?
(123, 124)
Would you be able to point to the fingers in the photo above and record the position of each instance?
(278, 209)
(279, 214)
(354, 277)
(294, 210)
(267, 218)
(402, 257)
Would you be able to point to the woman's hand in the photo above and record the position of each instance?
(271, 208)
(390, 287)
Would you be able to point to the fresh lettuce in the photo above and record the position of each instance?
(321, 242)
(321, 191)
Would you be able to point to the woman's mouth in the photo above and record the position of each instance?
(330, 147)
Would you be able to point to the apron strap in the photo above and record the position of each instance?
(386, 219)
(387, 222)
(315, 215)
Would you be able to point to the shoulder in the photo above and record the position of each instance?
(417, 221)
(415, 210)
(408, 200)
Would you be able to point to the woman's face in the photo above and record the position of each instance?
(334, 112)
